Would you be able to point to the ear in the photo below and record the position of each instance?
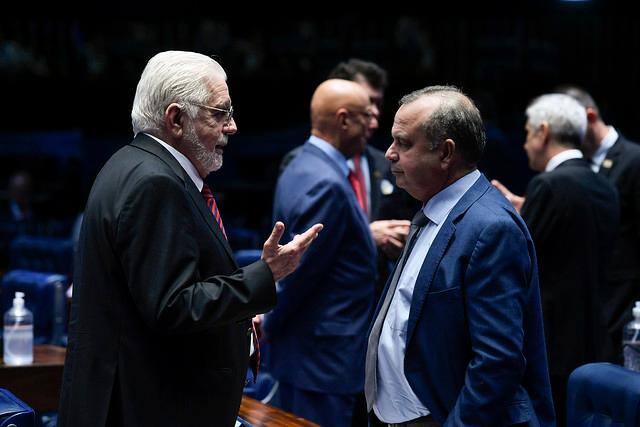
(447, 152)
(174, 120)
(592, 115)
(342, 115)
(544, 131)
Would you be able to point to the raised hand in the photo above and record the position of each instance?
(284, 259)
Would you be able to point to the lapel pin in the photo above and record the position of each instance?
(386, 187)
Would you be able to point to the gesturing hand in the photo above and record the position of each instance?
(284, 259)
(515, 200)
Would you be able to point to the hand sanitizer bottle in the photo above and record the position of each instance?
(18, 333)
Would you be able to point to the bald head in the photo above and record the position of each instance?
(332, 96)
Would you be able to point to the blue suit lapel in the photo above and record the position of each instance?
(438, 249)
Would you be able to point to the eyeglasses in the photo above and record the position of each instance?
(228, 113)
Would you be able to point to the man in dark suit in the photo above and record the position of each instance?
(388, 207)
(316, 334)
(160, 329)
(617, 159)
(458, 336)
(573, 216)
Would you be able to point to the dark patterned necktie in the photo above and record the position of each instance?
(213, 207)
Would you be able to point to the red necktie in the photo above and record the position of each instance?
(213, 207)
(356, 178)
(254, 358)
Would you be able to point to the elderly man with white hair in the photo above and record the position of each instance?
(160, 329)
(573, 217)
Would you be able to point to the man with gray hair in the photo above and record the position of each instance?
(457, 338)
(160, 329)
(573, 217)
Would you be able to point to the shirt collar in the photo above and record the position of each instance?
(186, 164)
(562, 157)
(607, 142)
(439, 206)
(331, 151)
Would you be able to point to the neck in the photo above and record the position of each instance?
(600, 130)
(330, 138)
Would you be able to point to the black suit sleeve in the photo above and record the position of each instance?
(540, 211)
(160, 255)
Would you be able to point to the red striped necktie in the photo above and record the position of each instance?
(213, 207)
(356, 179)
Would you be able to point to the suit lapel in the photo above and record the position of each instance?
(146, 143)
(438, 249)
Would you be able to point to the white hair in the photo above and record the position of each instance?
(171, 76)
(566, 117)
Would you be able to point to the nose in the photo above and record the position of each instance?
(231, 127)
(391, 153)
(375, 110)
(373, 123)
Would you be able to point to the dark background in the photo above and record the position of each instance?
(67, 84)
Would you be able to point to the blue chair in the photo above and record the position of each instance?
(245, 257)
(603, 394)
(36, 253)
(264, 389)
(14, 412)
(45, 297)
(242, 238)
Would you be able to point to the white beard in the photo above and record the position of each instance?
(210, 160)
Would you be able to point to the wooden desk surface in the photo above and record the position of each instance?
(38, 385)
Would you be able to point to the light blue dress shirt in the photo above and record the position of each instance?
(395, 400)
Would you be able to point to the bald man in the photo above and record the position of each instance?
(317, 332)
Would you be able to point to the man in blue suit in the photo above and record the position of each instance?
(457, 339)
(317, 332)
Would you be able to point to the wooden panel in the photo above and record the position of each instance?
(38, 385)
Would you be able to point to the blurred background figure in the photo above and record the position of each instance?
(317, 331)
(20, 196)
(573, 216)
(387, 207)
(617, 159)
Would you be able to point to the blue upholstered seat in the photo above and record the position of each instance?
(14, 411)
(603, 395)
(50, 254)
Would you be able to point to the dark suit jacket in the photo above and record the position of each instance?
(317, 332)
(622, 168)
(160, 313)
(573, 216)
(475, 352)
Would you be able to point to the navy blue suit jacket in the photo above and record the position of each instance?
(317, 332)
(475, 351)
